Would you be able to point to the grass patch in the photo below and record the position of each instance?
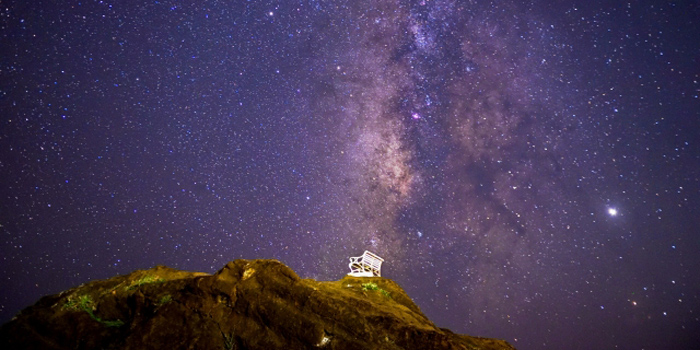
(111, 323)
(229, 341)
(164, 300)
(370, 286)
(71, 303)
(374, 286)
(85, 303)
(148, 279)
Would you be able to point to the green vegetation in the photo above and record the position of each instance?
(374, 286)
(85, 303)
(228, 338)
(71, 303)
(144, 280)
(229, 343)
(370, 286)
(164, 300)
(110, 323)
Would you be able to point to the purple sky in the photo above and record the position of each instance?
(528, 172)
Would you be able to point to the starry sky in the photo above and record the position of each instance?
(529, 171)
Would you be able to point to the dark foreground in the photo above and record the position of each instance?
(248, 304)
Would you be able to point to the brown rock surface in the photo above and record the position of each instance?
(249, 304)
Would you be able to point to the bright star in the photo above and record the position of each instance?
(612, 211)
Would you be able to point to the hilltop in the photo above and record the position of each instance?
(248, 304)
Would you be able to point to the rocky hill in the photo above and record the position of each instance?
(248, 304)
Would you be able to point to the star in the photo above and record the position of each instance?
(477, 144)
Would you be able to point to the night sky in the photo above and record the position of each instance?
(529, 172)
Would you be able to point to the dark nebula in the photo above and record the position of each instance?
(529, 171)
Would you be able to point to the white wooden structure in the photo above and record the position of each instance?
(367, 265)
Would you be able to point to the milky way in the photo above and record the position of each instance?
(453, 148)
(528, 171)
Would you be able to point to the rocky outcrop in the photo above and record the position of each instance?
(248, 304)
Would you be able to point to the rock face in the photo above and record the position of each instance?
(249, 304)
